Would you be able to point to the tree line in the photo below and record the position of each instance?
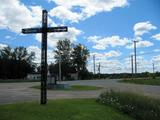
(15, 62)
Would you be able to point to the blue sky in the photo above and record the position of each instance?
(106, 27)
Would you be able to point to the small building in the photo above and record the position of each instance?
(34, 76)
(37, 76)
(73, 76)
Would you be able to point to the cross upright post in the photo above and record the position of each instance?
(44, 59)
(44, 30)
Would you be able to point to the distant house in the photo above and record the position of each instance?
(37, 76)
(34, 76)
(73, 76)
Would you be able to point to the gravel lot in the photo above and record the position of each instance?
(21, 92)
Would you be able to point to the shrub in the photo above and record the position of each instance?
(137, 106)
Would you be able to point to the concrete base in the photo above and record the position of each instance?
(58, 86)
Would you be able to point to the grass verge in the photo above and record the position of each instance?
(74, 88)
(136, 106)
(17, 80)
(143, 81)
(73, 109)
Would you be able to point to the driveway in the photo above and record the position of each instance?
(20, 92)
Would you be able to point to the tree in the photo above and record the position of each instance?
(63, 48)
(6, 53)
(15, 63)
(79, 59)
(63, 55)
(73, 59)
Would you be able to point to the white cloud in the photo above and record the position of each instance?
(121, 65)
(156, 50)
(37, 51)
(107, 66)
(103, 43)
(143, 27)
(99, 47)
(140, 44)
(156, 58)
(7, 37)
(113, 53)
(54, 37)
(15, 15)
(2, 46)
(157, 36)
(87, 8)
(93, 38)
(106, 55)
(63, 13)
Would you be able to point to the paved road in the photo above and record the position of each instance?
(15, 92)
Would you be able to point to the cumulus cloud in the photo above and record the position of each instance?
(157, 36)
(107, 66)
(63, 13)
(143, 27)
(65, 9)
(54, 37)
(37, 51)
(15, 15)
(2, 46)
(140, 44)
(106, 55)
(103, 43)
(156, 58)
(112, 53)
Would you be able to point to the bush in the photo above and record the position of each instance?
(137, 106)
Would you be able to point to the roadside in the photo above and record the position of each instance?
(15, 92)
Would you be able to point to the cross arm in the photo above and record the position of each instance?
(31, 30)
(57, 29)
(41, 30)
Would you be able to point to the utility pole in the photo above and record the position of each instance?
(99, 70)
(94, 67)
(135, 56)
(153, 68)
(132, 65)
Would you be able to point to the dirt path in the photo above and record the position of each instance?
(20, 92)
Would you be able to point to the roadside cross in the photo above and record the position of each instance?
(44, 30)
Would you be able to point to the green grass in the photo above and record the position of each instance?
(16, 80)
(73, 109)
(143, 81)
(74, 88)
(135, 105)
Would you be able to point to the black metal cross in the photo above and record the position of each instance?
(44, 30)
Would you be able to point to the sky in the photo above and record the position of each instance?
(106, 27)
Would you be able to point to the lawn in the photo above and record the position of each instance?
(74, 88)
(68, 109)
(143, 81)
